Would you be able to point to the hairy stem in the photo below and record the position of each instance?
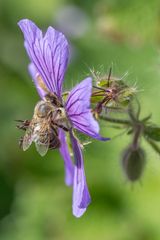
(138, 129)
(115, 120)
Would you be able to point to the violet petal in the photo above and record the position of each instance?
(69, 168)
(81, 196)
(49, 54)
(78, 109)
(34, 74)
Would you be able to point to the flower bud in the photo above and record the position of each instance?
(133, 162)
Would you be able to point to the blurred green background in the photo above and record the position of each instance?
(35, 204)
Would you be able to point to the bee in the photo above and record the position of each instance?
(41, 129)
(48, 116)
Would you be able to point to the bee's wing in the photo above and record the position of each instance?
(28, 138)
(42, 143)
(42, 148)
(48, 141)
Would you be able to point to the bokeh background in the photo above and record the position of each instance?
(34, 202)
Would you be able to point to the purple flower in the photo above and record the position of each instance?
(49, 58)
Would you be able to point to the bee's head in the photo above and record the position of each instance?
(42, 109)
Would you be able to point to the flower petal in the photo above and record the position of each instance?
(81, 196)
(69, 168)
(49, 54)
(34, 74)
(78, 109)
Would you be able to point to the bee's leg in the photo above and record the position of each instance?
(54, 130)
(54, 140)
(59, 125)
(24, 124)
(21, 142)
(27, 122)
(54, 100)
(64, 128)
(54, 143)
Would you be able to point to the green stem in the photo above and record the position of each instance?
(138, 129)
(115, 120)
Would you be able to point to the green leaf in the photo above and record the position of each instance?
(152, 132)
(154, 145)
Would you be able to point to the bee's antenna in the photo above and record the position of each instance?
(20, 121)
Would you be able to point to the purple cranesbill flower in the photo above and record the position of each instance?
(49, 59)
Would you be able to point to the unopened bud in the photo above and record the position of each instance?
(133, 163)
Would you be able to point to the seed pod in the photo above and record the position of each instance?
(133, 163)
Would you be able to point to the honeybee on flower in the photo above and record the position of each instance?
(54, 116)
(43, 127)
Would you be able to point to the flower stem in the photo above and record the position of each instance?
(115, 120)
(138, 129)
